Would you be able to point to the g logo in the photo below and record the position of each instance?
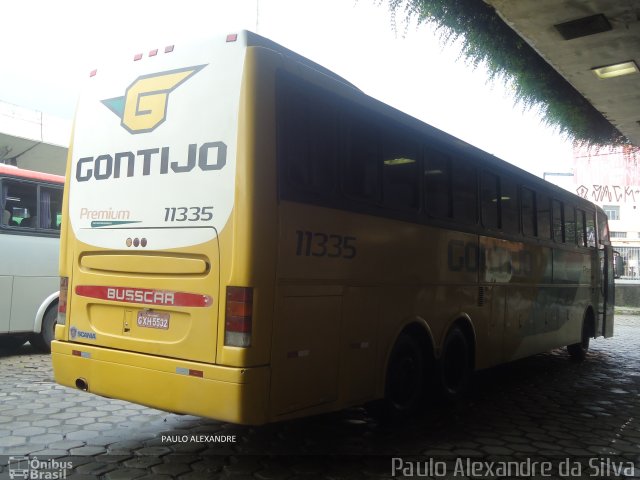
(144, 105)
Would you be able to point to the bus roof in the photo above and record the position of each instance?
(254, 40)
(12, 171)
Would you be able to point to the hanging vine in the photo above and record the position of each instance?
(487, 40)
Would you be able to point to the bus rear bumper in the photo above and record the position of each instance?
(237, 395)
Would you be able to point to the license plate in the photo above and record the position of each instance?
(153, 320)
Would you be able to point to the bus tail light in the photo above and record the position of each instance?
(62, 301)
(238, 317)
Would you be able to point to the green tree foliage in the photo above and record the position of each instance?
(486, 39)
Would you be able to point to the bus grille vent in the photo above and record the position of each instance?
(480, 296)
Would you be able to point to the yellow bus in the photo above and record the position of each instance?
(251, 238)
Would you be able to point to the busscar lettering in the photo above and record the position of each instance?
(141, 296)
(206, 157)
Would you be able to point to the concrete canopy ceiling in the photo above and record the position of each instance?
(618, 99)
(33, 140)
(33, 155)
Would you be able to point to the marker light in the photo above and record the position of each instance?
(232, 37)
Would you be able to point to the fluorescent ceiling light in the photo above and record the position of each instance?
(616, 70)
(399, 161)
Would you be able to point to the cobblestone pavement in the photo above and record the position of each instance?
(582, 419)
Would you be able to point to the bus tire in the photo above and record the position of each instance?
(405, 380)
(454, 365)
(578, 351)
(42, 341)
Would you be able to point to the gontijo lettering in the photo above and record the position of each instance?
(208, 156)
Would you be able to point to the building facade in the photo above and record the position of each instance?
(610, 178)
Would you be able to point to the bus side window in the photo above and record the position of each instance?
(308, 133)
(437, 184)
(20, 199)
(465, 192)
(490, 198)
(361, 173)
(603, 230)
(544, 217)
(591, 230)
(400, 188)
(4, 208)
(50, 207)
(558, 224)
(581, 233)
(509, 205)
(569, 225)
(528, 212)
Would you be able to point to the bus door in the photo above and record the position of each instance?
(606, 278)
(607, 289)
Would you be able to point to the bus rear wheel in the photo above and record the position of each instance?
(405, 383)
(454, 366)
(42, 341)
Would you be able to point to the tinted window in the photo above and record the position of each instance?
(25, 205)
(437, 184)
(465, 192)
(362, 172)
(400, 187)
(591, 230)
(569, 224)
(307, 137)
(558, 225)
(603, 230)
(509, 205)
(544, 217)
(528, 212)
(581, 232)
(489, 195)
